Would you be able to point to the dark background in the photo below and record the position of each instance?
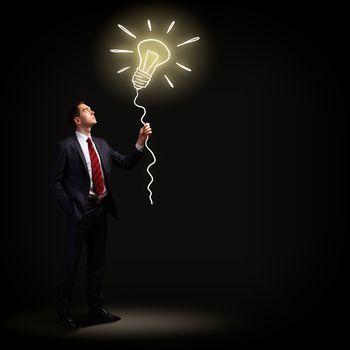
(249, 191)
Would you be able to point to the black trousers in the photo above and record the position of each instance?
(91, 230)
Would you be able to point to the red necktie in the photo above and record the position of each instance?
(97, 179)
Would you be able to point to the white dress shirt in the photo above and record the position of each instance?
(85, 148)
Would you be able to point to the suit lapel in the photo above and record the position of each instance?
(80, 151)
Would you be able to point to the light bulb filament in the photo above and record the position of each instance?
(150, 60)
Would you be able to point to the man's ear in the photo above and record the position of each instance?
(77, 120)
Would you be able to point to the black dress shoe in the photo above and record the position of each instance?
(103, 315)
(67, 322)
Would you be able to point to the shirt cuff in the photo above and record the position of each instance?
(139, 147)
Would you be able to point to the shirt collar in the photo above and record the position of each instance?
(81, 137)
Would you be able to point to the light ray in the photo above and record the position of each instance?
(149, 25)
(126, 31)
(170, 27)
(169, 82)
(123, 70)
(184, 67)
(121, 51)
(189, 41)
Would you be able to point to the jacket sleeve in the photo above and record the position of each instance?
(56, 176)
(126, 161)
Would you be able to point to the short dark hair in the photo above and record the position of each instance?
(73, 112)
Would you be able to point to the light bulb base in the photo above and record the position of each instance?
(141, 79)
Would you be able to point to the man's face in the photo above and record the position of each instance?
(86, 116)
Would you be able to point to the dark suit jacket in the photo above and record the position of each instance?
(69, 180)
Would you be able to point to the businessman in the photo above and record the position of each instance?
(80, 180)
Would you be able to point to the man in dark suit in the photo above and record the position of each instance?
(80, 180)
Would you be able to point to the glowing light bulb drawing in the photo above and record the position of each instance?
(152, 53)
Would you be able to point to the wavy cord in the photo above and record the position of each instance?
(154, 158)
